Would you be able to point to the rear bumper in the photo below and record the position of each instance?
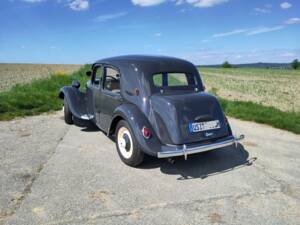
(183, 150)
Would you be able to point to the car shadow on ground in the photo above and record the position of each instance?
(205, 164)
(201, 165)
(86, 126)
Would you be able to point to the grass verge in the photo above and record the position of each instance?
(37, 97)
(262, 114)
(251, 111)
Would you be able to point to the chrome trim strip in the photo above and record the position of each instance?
(184, 150)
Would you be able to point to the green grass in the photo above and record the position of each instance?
(37, 97)
(259, 113)
(262, 114)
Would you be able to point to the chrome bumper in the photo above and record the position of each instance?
(183, 150)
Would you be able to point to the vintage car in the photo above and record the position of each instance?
(150, 105)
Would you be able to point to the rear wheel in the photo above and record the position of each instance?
(127, 146)
(67, 113)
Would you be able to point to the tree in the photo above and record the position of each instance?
(295, 64)
(226, 64)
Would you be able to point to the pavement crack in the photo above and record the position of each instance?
(285, 188)
(31, 179)
(162, 205)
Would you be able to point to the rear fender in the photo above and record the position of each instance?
(137, 120)
(75, 99)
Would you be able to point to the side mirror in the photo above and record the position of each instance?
(88, 73)
(76, 84)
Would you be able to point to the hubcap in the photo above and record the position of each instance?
(125, 142)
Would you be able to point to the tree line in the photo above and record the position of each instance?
(294, 65)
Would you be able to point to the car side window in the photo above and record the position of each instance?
(112, 80)
(97, 76)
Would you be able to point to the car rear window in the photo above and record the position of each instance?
(174, 80)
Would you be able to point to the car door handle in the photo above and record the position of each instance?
(116, 97)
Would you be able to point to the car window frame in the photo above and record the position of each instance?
(93, 78)
(104, 66)
(162, 89)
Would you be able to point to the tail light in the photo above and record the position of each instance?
(146, 132)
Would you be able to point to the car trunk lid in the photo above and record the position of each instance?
(173, 114)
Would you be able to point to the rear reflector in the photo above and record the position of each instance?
(146, 132)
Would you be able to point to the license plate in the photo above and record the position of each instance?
(204, 126)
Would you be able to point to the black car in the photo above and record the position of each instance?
(151, 105)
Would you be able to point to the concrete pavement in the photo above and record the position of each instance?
(85, 182)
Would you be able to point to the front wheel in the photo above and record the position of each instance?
(127, 146)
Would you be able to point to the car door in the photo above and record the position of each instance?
(111, 96)
(94, 90)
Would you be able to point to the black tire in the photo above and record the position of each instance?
(67, 112)
(135, 155)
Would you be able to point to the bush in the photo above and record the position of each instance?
(295, 64)
(226, 64)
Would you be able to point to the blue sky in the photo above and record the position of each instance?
(202, 31)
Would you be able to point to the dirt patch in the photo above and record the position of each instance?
(215, 218)
(250, 144)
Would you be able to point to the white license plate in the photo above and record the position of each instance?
(204, 126)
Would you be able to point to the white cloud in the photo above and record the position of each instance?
(205, 3)
(262, 10)
(195, 3)
(293, 21)
(288, 54)
(213, 56)
(157, 34)
(147, 2)
(105, 17)
(253, 31)
(285, 5)
(237, 31)
(261, 30)
(79, 5)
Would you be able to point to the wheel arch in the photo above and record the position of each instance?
(75, 99)
(112, 128)
(136, 119)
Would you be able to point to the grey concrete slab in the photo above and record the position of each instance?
(25, 146)
(84, 182)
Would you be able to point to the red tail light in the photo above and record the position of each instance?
(146, 132)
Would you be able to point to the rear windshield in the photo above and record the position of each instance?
(174, 81)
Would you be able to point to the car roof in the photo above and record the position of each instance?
(148, 64)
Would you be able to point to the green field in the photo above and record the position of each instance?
(11, 74)
(41, 95)
(269, 87)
